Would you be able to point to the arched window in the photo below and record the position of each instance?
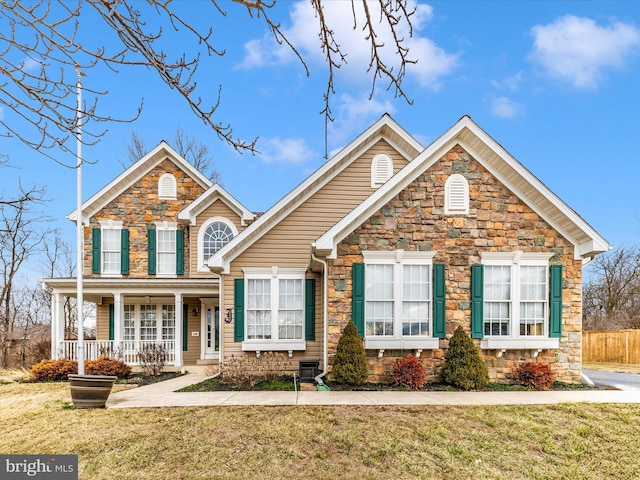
(456, 193)
(214, 234)
(381, 169)
(167, 187)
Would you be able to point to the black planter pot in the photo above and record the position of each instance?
(90, 391)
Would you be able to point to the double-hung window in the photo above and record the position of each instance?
(276, 309)
(110, 249)
(517, 300)
(399, 300)
(165, 250)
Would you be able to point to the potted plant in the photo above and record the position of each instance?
(90, 391)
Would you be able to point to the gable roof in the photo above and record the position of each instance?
(216, 192)
(127, 178)
(499, 163)
(384, 129)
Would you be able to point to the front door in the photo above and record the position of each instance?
(211, 331)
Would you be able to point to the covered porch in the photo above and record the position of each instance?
(180, 316)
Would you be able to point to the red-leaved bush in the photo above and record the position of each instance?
(107, 366)
(409, 372)
(535, 375)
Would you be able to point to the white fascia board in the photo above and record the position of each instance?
(132, 174)
(307, 188)
(216, 192)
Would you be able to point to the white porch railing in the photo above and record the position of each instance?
(126, 350)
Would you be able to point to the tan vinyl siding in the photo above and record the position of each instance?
(288, 244)
(102, 322)
(192, 355)
(216, 209)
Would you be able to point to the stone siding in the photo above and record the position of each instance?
(138, 207)
(498, 221)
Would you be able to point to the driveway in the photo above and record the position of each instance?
(621, 381)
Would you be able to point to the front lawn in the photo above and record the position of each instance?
(572, 441)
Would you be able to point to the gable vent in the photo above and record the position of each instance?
(456, 191)
(381, 170)
(167, 186)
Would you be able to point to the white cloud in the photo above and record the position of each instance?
(355, 114)
(291, 151)
(577, 50)
(1, 113)
(30, 65)
(504, 107)
(511, 83)
(433, 62)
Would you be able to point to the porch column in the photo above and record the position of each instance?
(118, 315)
(57, 324)
(178, 330)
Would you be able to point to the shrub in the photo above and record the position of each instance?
(107, 366)
(535, 375)
(152, 359)
(247, 371)
(409, 372)
(463, 367)
(50, 370)
(350, 362)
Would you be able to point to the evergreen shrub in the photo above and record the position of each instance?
(350, 363)
(463, 367)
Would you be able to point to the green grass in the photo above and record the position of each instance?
(571, 441)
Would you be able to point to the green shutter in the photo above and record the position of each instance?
(151, 251)
(310, 309)
(111, 321)
(238, 309)
(357, 296)
(439, 290)
(185, 326)
(180, 252)
(95, 251)
(477, 301)
(555, 301)
(124, 251)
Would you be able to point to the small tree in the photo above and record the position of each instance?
(463, 367)
(350, 363)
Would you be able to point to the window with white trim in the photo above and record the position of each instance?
(167, 187)
(381, 169)
(214, 234)
(166, 250)
(516, 294)
(111, 247)
(398, 299)
(129, 323)
(456, 194)
(274, 308)
(148, 323)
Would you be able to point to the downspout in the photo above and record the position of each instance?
(325, 310)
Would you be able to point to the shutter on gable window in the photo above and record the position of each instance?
(477, 301)
(151, 252)
(95, 251)
(185, 326)
(180, 252)
(439, 291)
(357, 296)
(310, 308)
(111, 321)
(555, 301)
(238, 309)
(124, 251)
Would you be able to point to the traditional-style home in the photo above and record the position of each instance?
(408, 242)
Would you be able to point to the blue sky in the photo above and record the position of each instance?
(556, 83)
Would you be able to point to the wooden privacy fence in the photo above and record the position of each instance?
(615, 346)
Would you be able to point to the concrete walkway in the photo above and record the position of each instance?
(163, 394)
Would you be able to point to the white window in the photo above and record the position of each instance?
(274, 309)
(111, 233)
(516, 300)
(381, 169)
(129, 320)
(456, 193)
(168, 322)
(214, 234)
(166, 249)
(148, 323)
(167, 188)
(398, 300)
